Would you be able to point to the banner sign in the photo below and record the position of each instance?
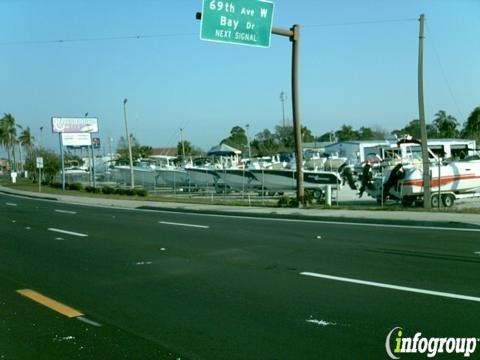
(74, 125)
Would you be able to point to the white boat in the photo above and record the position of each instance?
(285, 179)
(238, 179)
(404, 180)
(142, 175)
(202, 177)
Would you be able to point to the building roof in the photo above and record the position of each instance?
(165, 151)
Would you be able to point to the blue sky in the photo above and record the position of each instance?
(360, 74)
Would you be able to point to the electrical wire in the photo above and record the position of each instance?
(106, 38)
(367, 22)
(444, 75)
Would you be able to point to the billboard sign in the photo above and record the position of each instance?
(74, 125)
(76, 139)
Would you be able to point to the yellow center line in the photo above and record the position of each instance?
(50, 303)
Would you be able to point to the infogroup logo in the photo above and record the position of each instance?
(397, 344)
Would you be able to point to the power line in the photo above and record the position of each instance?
(106, 38)
(366, 22)
(444, 75)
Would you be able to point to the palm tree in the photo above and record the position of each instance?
(446, 125)
(8, 134)
(25, 141)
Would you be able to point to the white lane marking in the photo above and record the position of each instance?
(320, 322)
(143, 263)
(65, 211)
(319, 237)
(477, 253)
(10, 204)
(88, 321)
(27, 227)
(67, 232)
(440, 228)
(59, 238)
(393, 287)
(181, 224)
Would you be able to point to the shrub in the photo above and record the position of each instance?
(130, 192)
(286, 201)
(75, 186)
(141, 192)
(108, 190)
(92, 189)
(55, 185)
(119, 191)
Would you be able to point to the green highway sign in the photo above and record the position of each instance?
(245, 22)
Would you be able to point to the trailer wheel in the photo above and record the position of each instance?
(448, 200)
(435, 201)
(408, 201)
(317, 194)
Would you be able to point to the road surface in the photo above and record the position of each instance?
(166, 285)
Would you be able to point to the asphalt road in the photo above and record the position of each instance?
(166, 285)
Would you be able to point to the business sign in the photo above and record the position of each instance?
(245, 22)
(74, 125)
(39, 162)
(96, 142)
(76, 139)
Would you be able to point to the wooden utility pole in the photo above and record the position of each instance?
(423, 128)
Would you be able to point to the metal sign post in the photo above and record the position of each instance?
(39, 167)
(63, 160)
(245, 7)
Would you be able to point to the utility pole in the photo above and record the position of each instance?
(132, 179)
(183, 145)
(247, 126)
(283, 97)
(294, 35)
(423, 128)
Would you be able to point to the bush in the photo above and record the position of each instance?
(55, 185)
(119, 191)
(92, 189)
(141, 192)
(286, 202)
(75, 186)
(130, 192)
(108, 190)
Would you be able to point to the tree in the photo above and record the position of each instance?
(265, 143)
(26, 140)
(326, 137)
(446, 125)
(471, 128)
(51, 163)
(237, 139)
(347, 133)
(366, 133)
(184, 146)
(286, 136)
(8, 133)
(413, 130)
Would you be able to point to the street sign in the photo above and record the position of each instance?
(96, 143)
(39, 162)
(244, 22)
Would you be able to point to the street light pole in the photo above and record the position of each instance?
(248, 142)
(132, 180)
(283, 97)
(183, 145)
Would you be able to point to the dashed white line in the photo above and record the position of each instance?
(65, 211)
(88, 321)
(181, 224)
(10, 204)
(67, 232)
(393, 287)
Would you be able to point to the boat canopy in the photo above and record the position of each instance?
(223, 150)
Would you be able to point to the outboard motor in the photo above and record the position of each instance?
(346, 173)
(397, 173)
